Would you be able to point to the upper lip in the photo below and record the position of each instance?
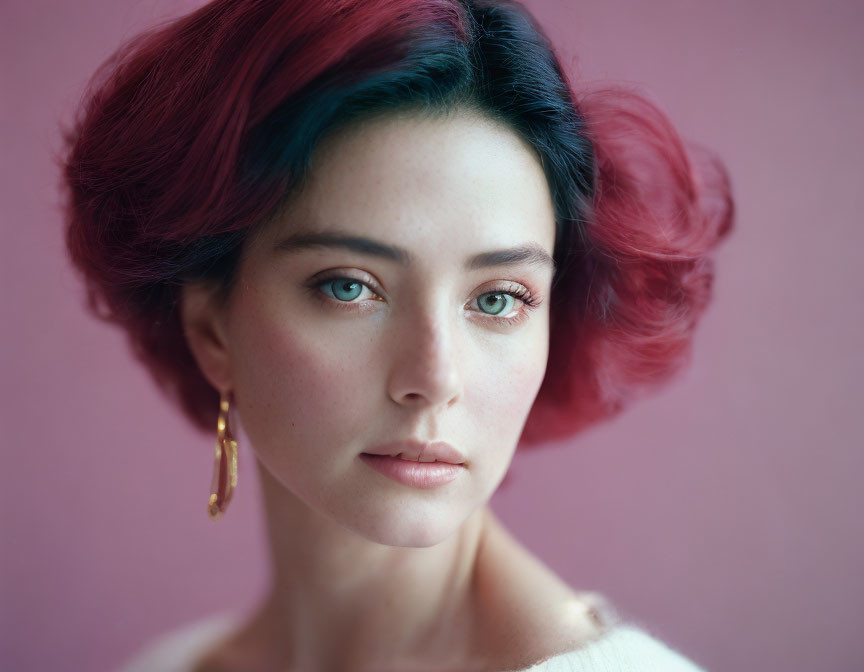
(420, 451)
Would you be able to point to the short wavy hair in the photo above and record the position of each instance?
(200, 129)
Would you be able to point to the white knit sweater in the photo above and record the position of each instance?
(623, 648)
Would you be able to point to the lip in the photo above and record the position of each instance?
(420, 451)
(416, 474)
(441, 463)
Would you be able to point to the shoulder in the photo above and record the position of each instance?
(530, 612)
(624, 648)
(556, 626)
(179, 650)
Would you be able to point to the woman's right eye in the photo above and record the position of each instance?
(343, 290)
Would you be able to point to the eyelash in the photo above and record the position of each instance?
(522, 294)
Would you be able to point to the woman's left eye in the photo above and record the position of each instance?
(497, 304)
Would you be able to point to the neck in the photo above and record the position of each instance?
(340, 601)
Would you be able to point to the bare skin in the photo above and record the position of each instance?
(517, 613)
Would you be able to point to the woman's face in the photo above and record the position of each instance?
(333, 349)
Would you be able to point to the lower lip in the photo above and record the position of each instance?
(415, 474)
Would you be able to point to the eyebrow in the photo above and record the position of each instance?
(528, 253)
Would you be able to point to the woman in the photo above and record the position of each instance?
(393, 241)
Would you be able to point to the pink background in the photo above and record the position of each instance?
(723, 513)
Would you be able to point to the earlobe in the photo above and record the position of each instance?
(205, 335)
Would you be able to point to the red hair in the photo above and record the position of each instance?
(657, 213)
(197, 131)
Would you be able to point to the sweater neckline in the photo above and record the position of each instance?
(186, 646)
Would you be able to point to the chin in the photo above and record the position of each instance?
(410, 524)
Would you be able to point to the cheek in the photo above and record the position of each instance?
(504, 387)
(295, 388)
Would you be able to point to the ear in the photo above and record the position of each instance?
(203, 327)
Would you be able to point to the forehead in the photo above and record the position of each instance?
(424, 183)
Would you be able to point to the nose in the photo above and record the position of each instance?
(425, 363)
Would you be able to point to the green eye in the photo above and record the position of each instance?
(496, 303)
(344, 289)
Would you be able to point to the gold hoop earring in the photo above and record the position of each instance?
(225, 467)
